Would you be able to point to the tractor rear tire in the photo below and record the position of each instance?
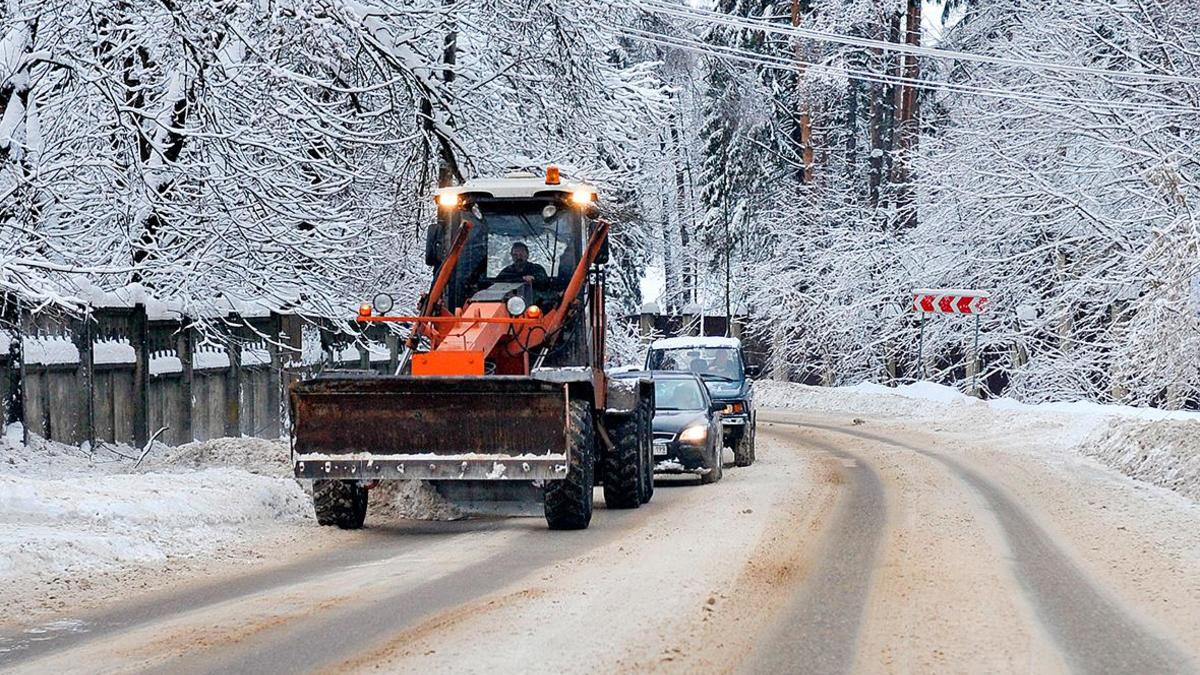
(568, 502)
(743, 450)
(646, 440)
(340, 502)
(623, 474)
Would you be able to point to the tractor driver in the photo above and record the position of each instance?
(521, 269)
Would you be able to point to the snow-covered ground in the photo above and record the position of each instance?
(1161, 447)
(68, 510)
(72, 511)
(72, 515)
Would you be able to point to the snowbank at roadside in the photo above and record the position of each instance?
(256, 455)
(1161, 447)
(50, 526)
(1163, 452)
(71, 510)
(915, 398)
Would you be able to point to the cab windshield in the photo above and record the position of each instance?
(540, 230)
(716, 363)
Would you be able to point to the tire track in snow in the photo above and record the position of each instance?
(324, 640)
(1093, 631)
(818, 631)
(355, 548)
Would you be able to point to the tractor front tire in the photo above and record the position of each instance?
(623, 465)
(568, 501)
(340, 502)
(743, 450)
(646, 439)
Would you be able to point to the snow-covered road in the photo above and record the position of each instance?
(875, 534)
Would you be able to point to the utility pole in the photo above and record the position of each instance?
(907, 124)
(728, 253)
(804, 121)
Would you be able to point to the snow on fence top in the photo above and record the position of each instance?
(376, 352)
(113, 351)
(256, 356)
(52, 350)
(79, 288)
(165, 364)
(210, 359)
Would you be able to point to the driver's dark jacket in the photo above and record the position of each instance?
(520, 270)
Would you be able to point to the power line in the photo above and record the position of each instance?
(782, 63)
(659, 7)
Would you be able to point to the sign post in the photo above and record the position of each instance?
(951, 301)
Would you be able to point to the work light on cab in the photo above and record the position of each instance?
(583, 196)
(516, 305)
(448, 200)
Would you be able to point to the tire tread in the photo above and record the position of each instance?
(568, 502)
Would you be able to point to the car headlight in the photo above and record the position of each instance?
(735, 408)
(516, 305)
(694, 434)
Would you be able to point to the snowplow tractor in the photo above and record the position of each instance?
(500, 394)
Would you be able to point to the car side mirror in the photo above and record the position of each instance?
(753, 371)
(716, 406)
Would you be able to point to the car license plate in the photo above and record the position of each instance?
(660, 449)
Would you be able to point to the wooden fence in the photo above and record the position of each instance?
(118, 375)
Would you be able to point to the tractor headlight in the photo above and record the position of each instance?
(383, 303)
(516, 305)
(694, 434)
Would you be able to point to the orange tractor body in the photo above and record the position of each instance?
(501, 379)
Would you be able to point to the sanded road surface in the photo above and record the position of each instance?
(851, 546)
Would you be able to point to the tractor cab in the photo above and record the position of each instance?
(510, 259)
(527, 235)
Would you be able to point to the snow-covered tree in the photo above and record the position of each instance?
(287, 151)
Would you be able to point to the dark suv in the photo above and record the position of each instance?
(719, 361)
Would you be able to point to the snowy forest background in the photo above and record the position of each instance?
(286, 151)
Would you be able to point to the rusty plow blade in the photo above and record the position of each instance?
(498, 428)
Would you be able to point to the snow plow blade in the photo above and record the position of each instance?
(429, 428)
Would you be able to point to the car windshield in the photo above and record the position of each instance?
(678, 395)
(721, 363)
(542, 231)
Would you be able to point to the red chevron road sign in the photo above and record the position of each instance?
(950, 301)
